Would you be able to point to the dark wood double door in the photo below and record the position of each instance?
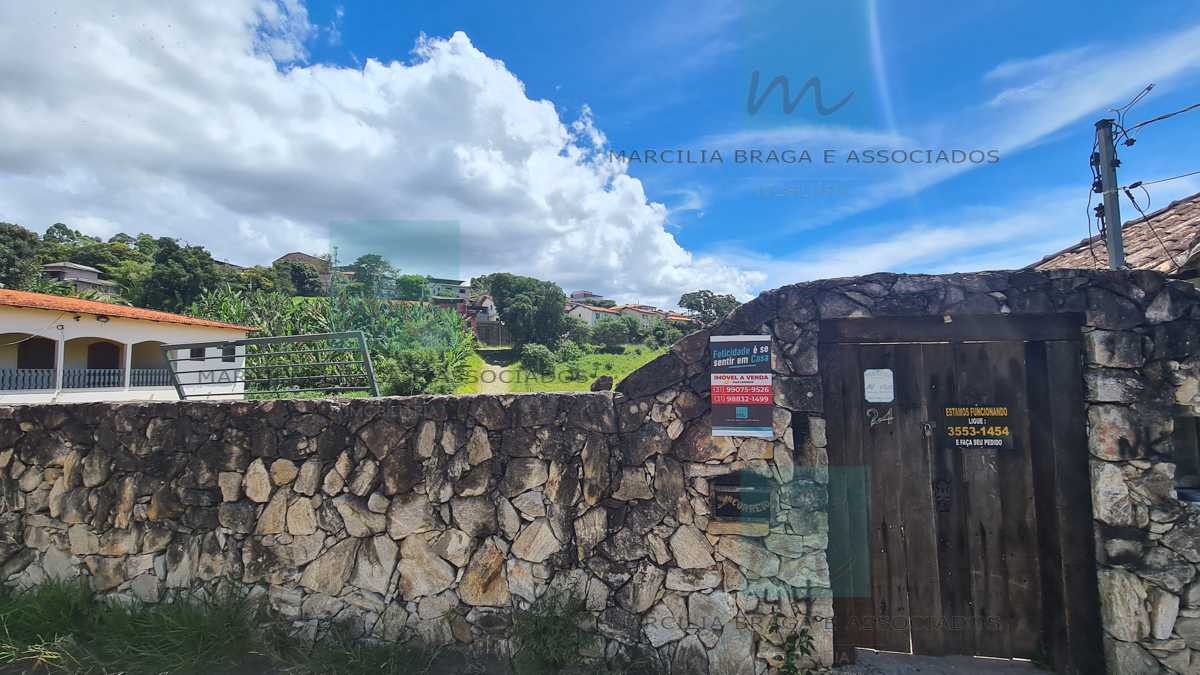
(960, 512)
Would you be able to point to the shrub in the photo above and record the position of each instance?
(547, 637)
(576, 330)
(537, 359)
(611, 333)
(569, 351)
(408, 373)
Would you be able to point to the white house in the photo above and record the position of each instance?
(646, 315)
(589, 314)
(55, 349)
(81, 277)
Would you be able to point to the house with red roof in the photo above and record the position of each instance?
(57, 349)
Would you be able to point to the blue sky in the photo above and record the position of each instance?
(1023, 80)
(969, 76)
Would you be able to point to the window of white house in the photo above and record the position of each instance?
(228, 354)
(197, 353)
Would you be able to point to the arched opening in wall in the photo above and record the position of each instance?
(90, 363)
(147, 366)
(26, 362)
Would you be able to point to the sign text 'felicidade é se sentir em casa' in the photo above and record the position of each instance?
(741, 387)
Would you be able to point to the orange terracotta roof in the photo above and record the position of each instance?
(1166, 240)
(594, 308)
(58, 303)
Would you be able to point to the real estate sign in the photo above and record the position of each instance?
(741, 386)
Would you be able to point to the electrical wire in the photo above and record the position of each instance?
(1140, 183)
(1091, 194)
(1121, 132)
(1146, 220)
(35, 334)
(1160, 118)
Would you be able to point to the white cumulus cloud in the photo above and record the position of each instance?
(207, 121)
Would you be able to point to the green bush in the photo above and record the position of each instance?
(64, 627)
(547, 637)
(569, 351)
(611, 333)
(537, 359)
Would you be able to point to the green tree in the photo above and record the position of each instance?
(373, 274)
(576, 330)
(611, 332)
(18, 256)
(531, 308)
(130, 276)
(594, 302)
(708, 307)
(410, 287)
(303, 279)
(179, 277)
(633, 329)
(664, 333)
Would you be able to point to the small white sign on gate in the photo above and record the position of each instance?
(878, 385)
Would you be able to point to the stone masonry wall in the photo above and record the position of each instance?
(432, 516)
(1141, 344)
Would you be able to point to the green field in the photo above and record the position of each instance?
(507, 374)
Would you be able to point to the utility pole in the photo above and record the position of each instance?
(1112, 202)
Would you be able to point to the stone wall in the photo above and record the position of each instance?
(438, 515)
(432, 516)
(1141, 343)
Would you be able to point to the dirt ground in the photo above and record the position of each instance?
(884, 663)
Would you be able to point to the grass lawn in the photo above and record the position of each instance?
(64, 628)
(471, 386)
(579, 375)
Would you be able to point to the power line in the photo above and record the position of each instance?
(1140, 183)
(1146, 220)
(1160, 118)
(1123, 110)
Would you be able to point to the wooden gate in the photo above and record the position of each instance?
(960, 508)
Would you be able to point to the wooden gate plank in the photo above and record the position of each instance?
(882, 450)
(846, 632)
(989, 578)
(1019, 525)
(919, 525)
(953, 562)
(1073, 506)
(859, 495)
(1041, 439)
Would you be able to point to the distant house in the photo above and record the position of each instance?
(587, 297)
(646, 315)
(80, 277)
(58, 349)
(1167, 240)
(589, 314)
(682, 320)
(321, 265)
(448, 289)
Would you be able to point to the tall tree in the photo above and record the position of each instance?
(303, 279)
(180, 275)
(531, 308)
(410, 287)
(373, 274)
(708, 307)
(18, 256)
